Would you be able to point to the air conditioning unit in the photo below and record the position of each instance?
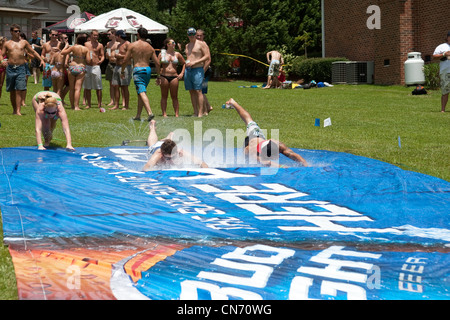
(339, 72)
(360, 72)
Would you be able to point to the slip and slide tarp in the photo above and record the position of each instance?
(91, 225)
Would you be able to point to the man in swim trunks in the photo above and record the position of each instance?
(258, 147)
(110, 51)
(197, 54)
(275, 60)
(93, 78)
(141, 52)
(165, 153)
(442, 52)
(120, 84)
(48, 51)
(15, 64)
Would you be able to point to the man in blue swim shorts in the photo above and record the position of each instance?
(141, 52)
(197, 53)
(15, 51)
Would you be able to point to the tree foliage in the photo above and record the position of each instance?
(245, 27)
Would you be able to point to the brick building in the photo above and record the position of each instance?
(403, 26)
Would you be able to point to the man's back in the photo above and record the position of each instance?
(141, 52)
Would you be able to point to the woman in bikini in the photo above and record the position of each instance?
(48, 109)
(77, 69)
(169, 61)
(58, 63)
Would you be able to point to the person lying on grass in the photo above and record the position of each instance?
(48, 109)
(257, 147)
(165, 152)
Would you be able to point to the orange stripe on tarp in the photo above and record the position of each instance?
(79, 273)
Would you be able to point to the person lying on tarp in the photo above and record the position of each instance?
(264, 151)
(165, 152)
(48, 109)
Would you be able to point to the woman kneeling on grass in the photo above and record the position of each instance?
(48, 108)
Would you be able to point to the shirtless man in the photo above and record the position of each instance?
(48, 51)
(141, 52)
(110, 56)
(93, 78)
(165, 153)
(197, 54)
(266, 152)
(200, 35)
(15, 64)
(120, 84)
(275, 60)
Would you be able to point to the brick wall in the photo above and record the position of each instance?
(432, 22)
(406, 26)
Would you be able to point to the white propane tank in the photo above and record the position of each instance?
(414, 69)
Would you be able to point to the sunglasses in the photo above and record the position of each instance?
(51, 113)
(16, 31)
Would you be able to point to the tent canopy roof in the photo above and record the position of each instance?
(69, 24)
(121, 19)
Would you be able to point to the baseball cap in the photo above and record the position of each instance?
(191, 32)
(121, 33)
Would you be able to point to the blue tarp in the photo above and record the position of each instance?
(340, 200)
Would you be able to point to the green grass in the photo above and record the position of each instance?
(366, 120)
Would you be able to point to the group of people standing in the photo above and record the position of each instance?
(70, 69)
(171, 68)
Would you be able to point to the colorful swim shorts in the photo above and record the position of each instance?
(141, 77)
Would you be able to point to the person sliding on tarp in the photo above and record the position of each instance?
(165, 153)
(258, 147)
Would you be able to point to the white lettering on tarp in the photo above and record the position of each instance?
(322, 218)
(261, 273)
(334, 266)
(127, 154)
(300, 287)
(210, 173)
(251, 267)
(262, 267)
(190, 288)
(225, 223)
(411, 279)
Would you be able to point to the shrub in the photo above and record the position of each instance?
(432, 79)
(319, 69)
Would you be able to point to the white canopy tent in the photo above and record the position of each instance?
(122, 19)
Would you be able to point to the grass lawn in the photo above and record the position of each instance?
(367, 120)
